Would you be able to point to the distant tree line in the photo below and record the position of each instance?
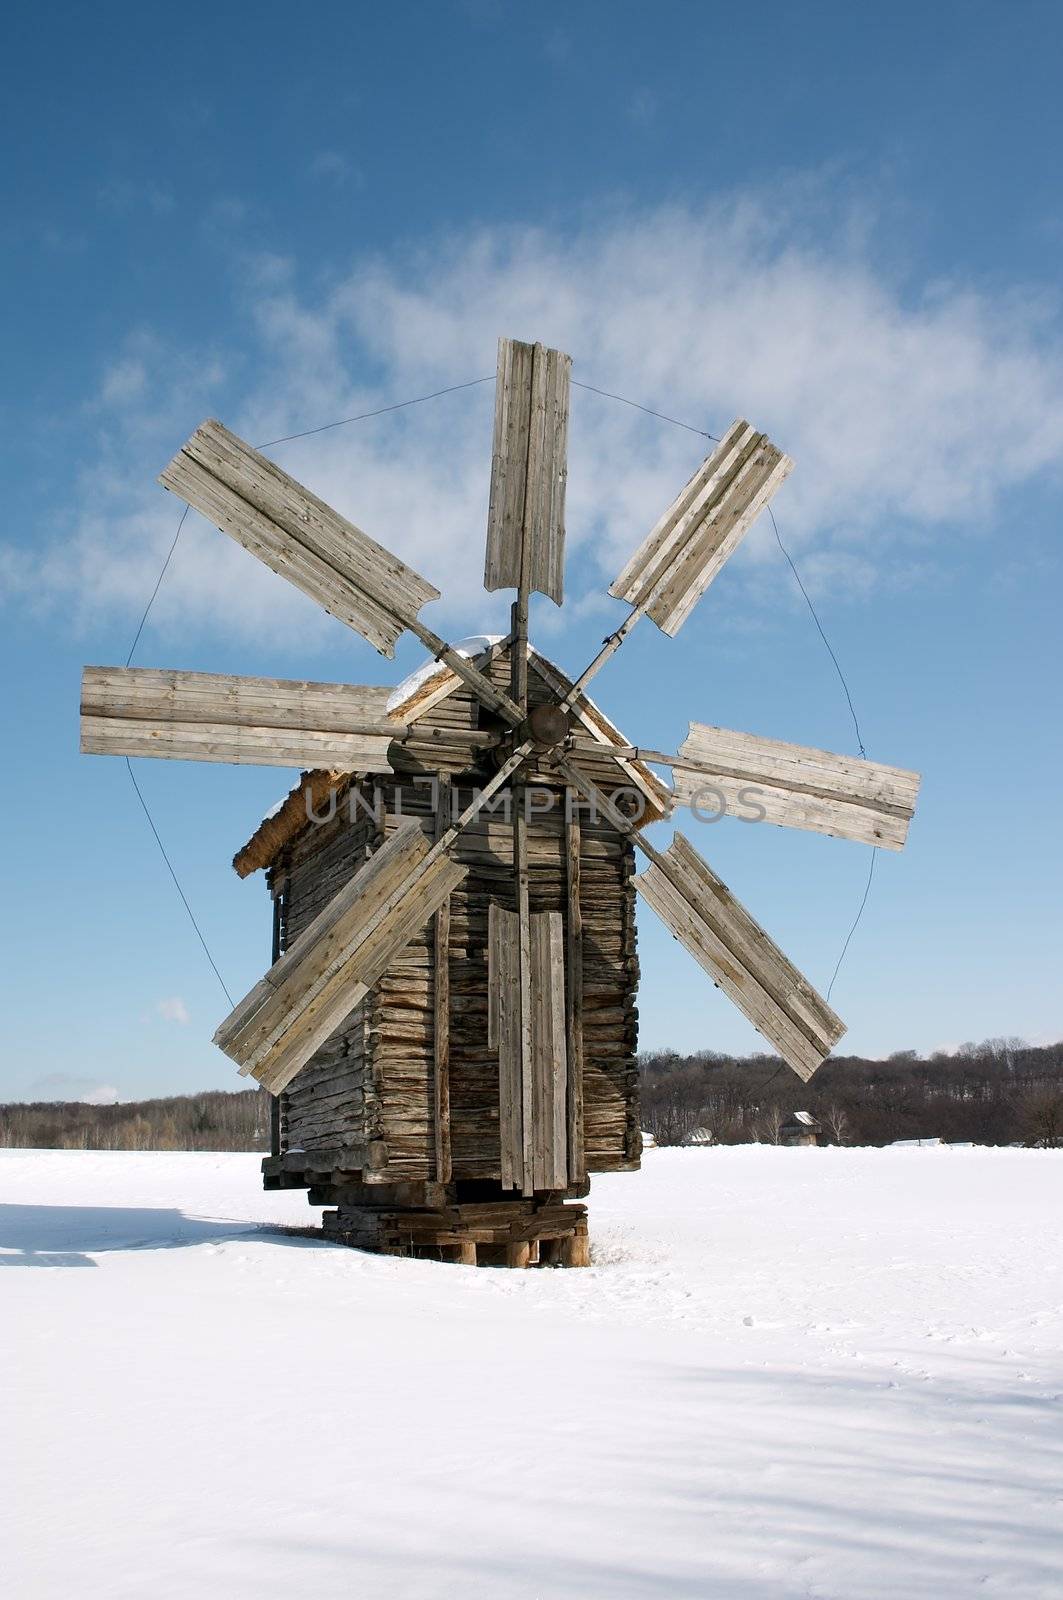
(213, 1120)
(1001, 1091)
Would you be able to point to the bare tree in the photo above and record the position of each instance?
(769, 1124)
(837, 1121)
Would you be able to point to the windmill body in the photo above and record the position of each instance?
(409, 1120)
(449, 1026)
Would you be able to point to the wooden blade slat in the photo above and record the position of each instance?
(238, 747)
(682, 554)
(304, 997)
(205, 716)
(298, 535)
(735, 951)
(797, 786)
(529, 468)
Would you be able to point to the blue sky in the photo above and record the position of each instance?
(841, 221)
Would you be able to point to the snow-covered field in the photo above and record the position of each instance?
(790, 1373)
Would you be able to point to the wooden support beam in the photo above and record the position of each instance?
(577, 1166)
(520, 860)
(441, 1010)
(576, 1247)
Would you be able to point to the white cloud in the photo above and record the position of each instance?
(173, 1010)
(123, 381)
(913, 412)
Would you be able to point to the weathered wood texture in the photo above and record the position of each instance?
(684, 551)
(504, 1036)
(574, 997)
(529, 467)
(549, 1062)
(298, 535)
(441, 1011)
(205, 716)
(533, 1087)
(276, 1028)
(511, 1232)
(740, 957)
(796, 787)
(324, 1107)
(393, 1028)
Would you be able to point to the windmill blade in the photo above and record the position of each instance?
(738, 955)
(529, 467)
(332, 965)
(734, 950)
(794, 786)
(264, 722)
(679, 558)
(297, 535)
(304, 540)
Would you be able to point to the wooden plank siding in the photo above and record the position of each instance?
(504, 1036)
(532, 1085)
(324, 1107)
(529, 468)
(703, 526)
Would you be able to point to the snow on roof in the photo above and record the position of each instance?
(473, 646)
(805, 1117)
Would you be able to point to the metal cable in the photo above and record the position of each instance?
(823, 636)
(177, 884)
(379, 412)
(856, 725)
(689, 426)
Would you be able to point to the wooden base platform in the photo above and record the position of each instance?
(501, 1233)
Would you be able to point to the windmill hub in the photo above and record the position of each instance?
(546, 726)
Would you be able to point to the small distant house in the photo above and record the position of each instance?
(800, 1128)
(698, 1136)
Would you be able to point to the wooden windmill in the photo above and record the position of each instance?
(449, 1024)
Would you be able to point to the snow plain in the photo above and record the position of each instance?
(808, 1373)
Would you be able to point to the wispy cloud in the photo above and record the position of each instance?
(913, 411)
(174, 1009)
